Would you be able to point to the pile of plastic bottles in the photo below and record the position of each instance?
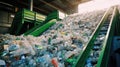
(59, 46)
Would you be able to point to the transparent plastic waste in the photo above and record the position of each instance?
(59, 46)
(13, 47)
(2, 63)
(31, 63)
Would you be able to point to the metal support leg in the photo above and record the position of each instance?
(31, 5)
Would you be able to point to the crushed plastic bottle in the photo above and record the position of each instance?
(4, 53)
(89, 65)
(13, 47)
(23, 59)
(32, 63)
(2, 63)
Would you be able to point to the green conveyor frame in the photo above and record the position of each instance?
(26, 21)
(49, 21)
(53, 15)
(103, 58)
(104, 55)
(23, 18)
(36, 31)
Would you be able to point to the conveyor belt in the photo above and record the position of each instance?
(40, 28)
(114, 54)
(97, 50)
(105, 53)
(97, 47)
(36, 31)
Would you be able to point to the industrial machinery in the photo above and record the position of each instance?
(101, 47)
(25, 20)
(100, 51)
(49, 21)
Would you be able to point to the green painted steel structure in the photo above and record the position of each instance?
(25, 20)
(105, 52)
(49, 21)
(104, 55)
(38, 30)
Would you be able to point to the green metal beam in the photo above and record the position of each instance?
(39, 30)
(49, 21)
